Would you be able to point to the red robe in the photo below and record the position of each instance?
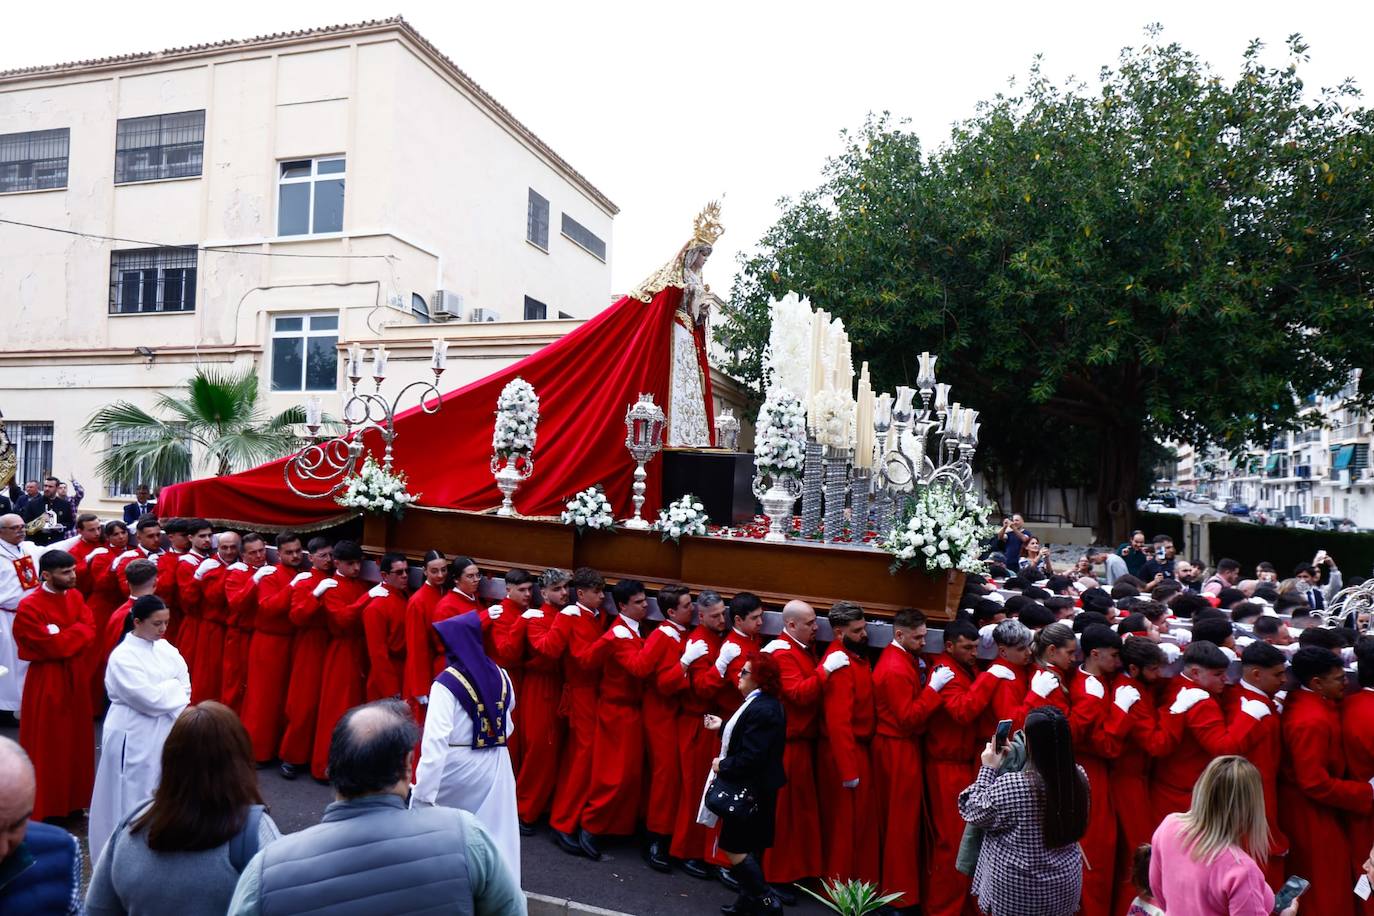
(796, 853)
(1266, 753)
(730, 699)
(122, 562)
(539, 717)
(188, 597)
(269, 664)
(616, 791)
(1146, 741)
(574, 638)
(416, 679)
(241, 598)
(507, 648)
(953, 742)
(659, 711)
(55, 714)
(698, 690)
(207, 672)
(848, 815)
(105, 594)
(1097, 726)
(307, 669)
(343, 682)
(1010, 699)
(166, 589)
(82, 550)
(1315, 800)
(384, 627)
(113, 632)
(1357, 727)
(904, 706)
(1203, 734)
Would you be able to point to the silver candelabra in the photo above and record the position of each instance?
(644, 425)
(929, 445)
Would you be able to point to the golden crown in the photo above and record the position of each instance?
(707, 228)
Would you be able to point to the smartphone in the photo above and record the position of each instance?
(1159, 554)
(1292, 889)
(999, 739)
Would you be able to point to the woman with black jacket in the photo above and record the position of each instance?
(750, 766)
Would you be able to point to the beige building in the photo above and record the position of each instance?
(267, 203)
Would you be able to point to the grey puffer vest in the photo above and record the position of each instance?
(368, 856)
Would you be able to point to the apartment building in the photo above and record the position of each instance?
(265, 203)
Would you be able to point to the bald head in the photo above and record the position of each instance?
(799, 621)
(371, 748)
(16, 795)
(227, 547)
(11, 528)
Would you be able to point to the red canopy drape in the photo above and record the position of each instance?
(585, 381)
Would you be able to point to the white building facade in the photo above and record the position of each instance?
(266, 203)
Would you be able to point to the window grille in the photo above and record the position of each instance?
(153, 280)
(584, 237)
(34, 161)
(159, 147)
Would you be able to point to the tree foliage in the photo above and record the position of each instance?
(1166, 255)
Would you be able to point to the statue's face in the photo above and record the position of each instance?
(697, 259)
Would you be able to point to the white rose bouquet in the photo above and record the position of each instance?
(941, 529)
(517, 419)
(780, 438)
(374, 489)
(682, 516)
(589, 509)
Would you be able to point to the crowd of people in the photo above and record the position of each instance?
(757, 762)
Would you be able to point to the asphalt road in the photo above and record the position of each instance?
(620, 881)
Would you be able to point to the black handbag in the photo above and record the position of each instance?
(725, 799)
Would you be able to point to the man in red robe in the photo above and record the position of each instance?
(1357, 727)
(207, 671)
(384, 628)
(746, 627)
(142, 578)
(1012, 670)
(416, 679)
(424, 650)
(848, 794)
(147, 546)
(240, 595)
(664, 645)
(953, 737)
(507, 629)
(1315, 798)
(539, 769)
(199, 534)
(179, 544)
(90, 536)
(1262, 675)
(269, 651)
(105, 590)
(343, 681)
(52, 630)
(904, 705)
(307, 658)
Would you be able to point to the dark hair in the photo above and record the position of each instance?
(956, 629)
(1036, 593)
(85, 517)
(1124, 590)
(114, 525)
(1140, 869)
(1304, 568)
(1201, 652)
(1294, 602)
(1364, 658)
(1267, 625)
(1321, 638)
(1244, 610)
(669, 596)
(517, 577)
(147, 606)
(1142, 653)
(1015, 582)
(1049, 746)
(317, 544)
(1213, 631)
(1208, 613)
(371, 759)
(1262, 655)
(462, 562)
(1130, 580)
(1090, 619)
(174, 526)
(55, 560)
(389, 559)
(1229, 596)
(252, 537)
(1055, 636)
(208, 782)
(1037, 616)
(1227, 565)
(1097, 636)
(193, 525)
(1133, 623)
(140, 572)
(348, 552)
(763, 668)
(1166, 590)
(1100, 604)
(1015, 604)
(1310, 661)
(287, 537)
(1188, 604)
(551, 577)
(908, 618)
(741, 606)
(586, 577)
(149, 521)
(1058, 583)
(843, 613)
(626, 589)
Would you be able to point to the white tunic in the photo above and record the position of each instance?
(11, 592)
(149, 686)
(454, 774)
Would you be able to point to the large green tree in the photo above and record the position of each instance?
(1164, 255)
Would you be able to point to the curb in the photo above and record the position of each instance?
(542, 905)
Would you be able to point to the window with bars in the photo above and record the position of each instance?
(535, 310)
(153, 280)
(34, 161)
(310, 196)
(583, 237)
(537, 220)
(419, 308)
(141, 475)
(159, 147)
(32, 449)
(305, 352)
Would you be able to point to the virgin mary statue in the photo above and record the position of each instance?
(690, 413)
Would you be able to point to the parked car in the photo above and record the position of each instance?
(1325, 523)
(1237, 508)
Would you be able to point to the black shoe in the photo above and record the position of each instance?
(741, 907)
(696, 868)
(289, 770)
(567, 842)
(729, 880)
(526, 829)
(784, 894)
(657, 857)
(587, 843)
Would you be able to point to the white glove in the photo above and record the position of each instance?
(263, 572)
(1187, 698)
(324, 586)
(1348, 655)
(495, 611)
(1254, 709)
(532, 614)
(1043, 683)
(378, 591)
(205, 566)
(1244, 641)
(1093, 687)
(134, 554)
(622, 632)
(1279, 699)
(850, 783)
(240, 566)
(940, 678)
(671, 632)
(53, 629)
(985, 633)
(777, 645)
(696, 648)
(835, 661)
(95, 553)
(300, 577)
(1183, 636)
(571, 610)
(1126, 697)
(1230, 653)
(1000, 670)
(1172, 653)
(728, 653)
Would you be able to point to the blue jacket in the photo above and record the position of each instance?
(42, 875)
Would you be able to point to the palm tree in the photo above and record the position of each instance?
(218, 414)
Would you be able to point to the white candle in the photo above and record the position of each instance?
(440, 354)
(941, 396)
(355, 361)
(974, 433)
(882, 410)
(904, 399)
(379, 362)
(970, 421)
(863, 422)
(313, 411)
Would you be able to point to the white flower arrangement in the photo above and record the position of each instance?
(940, 530)
(374, 489)
(833, 417)
(780, 438)
(682, 516)
(517, 419)
(588, 509)
(787, 358)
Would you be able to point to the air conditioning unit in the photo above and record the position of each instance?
(484, 315)
(445, 305)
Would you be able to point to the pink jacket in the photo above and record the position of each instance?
(1232, 884)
